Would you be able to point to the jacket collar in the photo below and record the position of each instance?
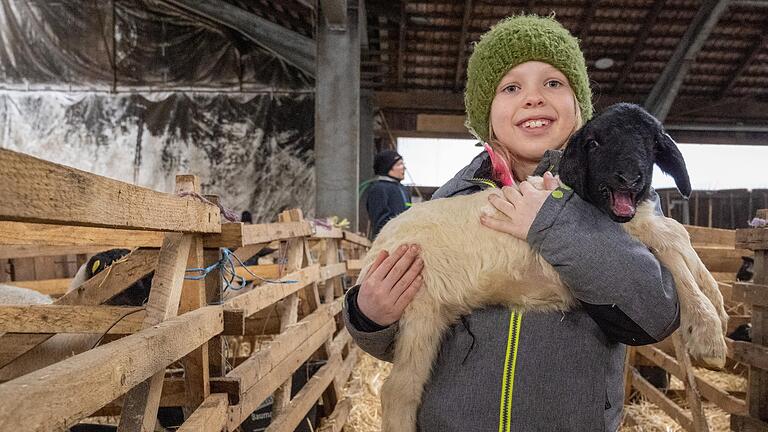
(386, 179)
(466, 180)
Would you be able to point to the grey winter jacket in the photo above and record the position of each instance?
(501, 370)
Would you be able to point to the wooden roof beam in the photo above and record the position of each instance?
(462, 43)
(745, 63)
(665, 89)
(650, 21)
(294, 48)
(401, 47)
(586, 21)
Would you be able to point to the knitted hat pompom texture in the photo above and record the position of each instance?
(513, 41)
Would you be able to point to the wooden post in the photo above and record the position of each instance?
(140, 404)
(289, 308)
(193, 296)
(217, 357)
(756, 294)
(691, 389)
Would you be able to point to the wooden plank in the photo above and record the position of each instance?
(322, 232)
(711, 236)
(174, 395)
(752, 238)
(266, 294)
(332, 271)
(289, 307)
(357, 239)
(52, 193)
(235, 235)
(210, 416)
(748, 353)
(689, 381)
(712, 393)
(105, 372)
(70, 319)
(47, 235)
(340, 341)
(721, 259)
(141, 403)
(193, 296)
(297, 409)
(329, 257)
(14, 251)
(751, 293)
(52, 287)
(263, 361)
(336, 421)
(252, 397)
(265, 271)
(354, 265)
(100, 288)
(657, 398)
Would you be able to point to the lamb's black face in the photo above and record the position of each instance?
(609, 162)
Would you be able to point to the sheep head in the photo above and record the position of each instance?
(609, 161)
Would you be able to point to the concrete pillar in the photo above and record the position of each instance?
(337, 118)
(367, 146)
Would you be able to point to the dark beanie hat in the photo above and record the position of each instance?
(384, 161)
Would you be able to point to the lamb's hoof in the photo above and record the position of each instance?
(705, 342)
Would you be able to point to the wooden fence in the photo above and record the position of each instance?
(721, 251)
(50, 210)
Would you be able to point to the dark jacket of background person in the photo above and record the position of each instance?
(386, 198)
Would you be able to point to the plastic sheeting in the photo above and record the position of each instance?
(136, 92)
(255, 152)
(129, 44)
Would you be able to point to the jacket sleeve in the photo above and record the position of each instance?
(374, 339)
(617, 280)
(378, 206)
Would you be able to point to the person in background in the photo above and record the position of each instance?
(386, 197)
(246, 217)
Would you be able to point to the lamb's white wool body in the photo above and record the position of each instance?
(13, 295)
(467, 266)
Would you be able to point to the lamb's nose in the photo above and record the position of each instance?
(627, 179)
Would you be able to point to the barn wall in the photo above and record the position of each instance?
(139, 93)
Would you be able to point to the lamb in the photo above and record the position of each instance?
(61, 346)
(459, 277)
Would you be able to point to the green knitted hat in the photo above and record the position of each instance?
(513, 41)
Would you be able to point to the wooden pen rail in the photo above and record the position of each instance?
(188, 321)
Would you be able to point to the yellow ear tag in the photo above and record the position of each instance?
(95, 266)
(557, 194)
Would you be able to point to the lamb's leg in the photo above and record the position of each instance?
(704, 279)
(418, 341)
(701, 322)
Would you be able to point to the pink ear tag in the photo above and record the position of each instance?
(501, 171)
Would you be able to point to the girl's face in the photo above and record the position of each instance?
(534, 110)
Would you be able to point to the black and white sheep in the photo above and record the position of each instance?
(459, 277)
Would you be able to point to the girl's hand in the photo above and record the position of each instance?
(520, 207)
(390, 285)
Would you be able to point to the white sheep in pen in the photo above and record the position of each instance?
(460, 277)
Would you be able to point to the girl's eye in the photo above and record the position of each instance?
(511, 88)
(553, 84)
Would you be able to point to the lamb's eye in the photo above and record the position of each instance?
(593, 144)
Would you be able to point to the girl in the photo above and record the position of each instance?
(527, 92)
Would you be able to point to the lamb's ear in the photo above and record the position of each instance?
(670, 160)
(573, 164)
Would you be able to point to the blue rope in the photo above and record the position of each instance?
(227, 266)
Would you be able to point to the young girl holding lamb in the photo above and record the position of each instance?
(499, 369)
